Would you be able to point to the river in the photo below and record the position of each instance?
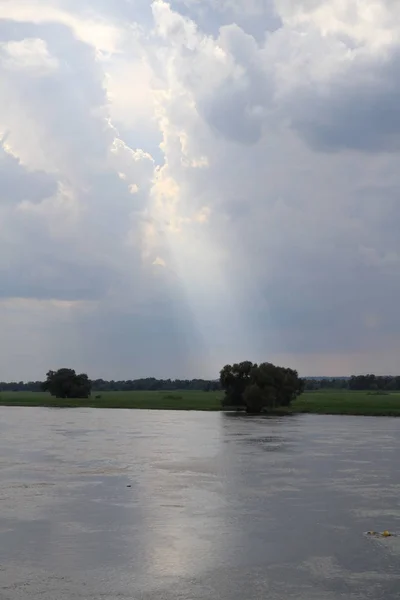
(163, 505)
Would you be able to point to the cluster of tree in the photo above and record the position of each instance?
(355, 382)
(257, 388)
(65, 383)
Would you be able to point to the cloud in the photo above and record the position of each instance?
(94, 31)
(291, 218)
(18, 184)
(355, 109)
(253, 16)
(186, 184)
(159, 262)
(66, 235)
(28, 55)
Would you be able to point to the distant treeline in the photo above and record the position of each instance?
(355, 382)
(336, 383)
(152, 384)
(129, 385)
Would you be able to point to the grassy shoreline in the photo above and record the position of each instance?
(319, 402)
(345, 402)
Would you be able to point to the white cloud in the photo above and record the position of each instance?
(28, 55)
(159, 262)
(129, 88)
(364, 21)
(96, 31)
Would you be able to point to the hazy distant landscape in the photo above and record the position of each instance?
(356, 395)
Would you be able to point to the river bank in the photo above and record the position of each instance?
(317, 402)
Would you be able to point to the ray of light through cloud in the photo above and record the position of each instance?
(185, 184)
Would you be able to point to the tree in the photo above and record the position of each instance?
(65, 383)
(234, 380)
(256, 399)
(255, 388)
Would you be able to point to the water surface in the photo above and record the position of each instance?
(115, 504)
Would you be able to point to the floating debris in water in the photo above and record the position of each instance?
(383, 534)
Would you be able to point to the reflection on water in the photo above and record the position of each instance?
(173, 505)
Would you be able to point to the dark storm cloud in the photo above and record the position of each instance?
(358, 109)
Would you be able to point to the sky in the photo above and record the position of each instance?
(192, 183)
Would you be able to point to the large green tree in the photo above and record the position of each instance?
(234, 379)
(256, 388)
(65, 383)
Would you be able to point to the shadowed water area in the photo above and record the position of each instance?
(219, 507)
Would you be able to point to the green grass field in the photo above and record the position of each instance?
(320, 402)
(177, 400)
(348, 403)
